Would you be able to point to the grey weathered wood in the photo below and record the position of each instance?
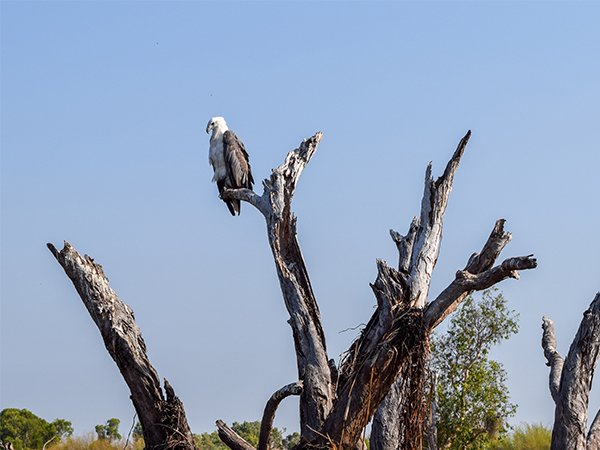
(163, 420)
(466, 282)
(387, 427)
(571, 392)
(275, 204)
(478, 274)
(555, 361)
(431, 424)
(394, 340)
(593, 437)
(429, 232)
(266, 424)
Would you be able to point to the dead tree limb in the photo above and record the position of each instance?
(233, 440)
(275, 203)
(266, 424)
(429, 233)
(417, 258)
(571, 381)
(163, 420)
(394, 343)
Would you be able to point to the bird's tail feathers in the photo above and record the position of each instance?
(232, 206)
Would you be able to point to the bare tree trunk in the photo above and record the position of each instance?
(163, 420)
(314, 368)
(571, 381)
(431, 427)
(387, 429)
(395, 341)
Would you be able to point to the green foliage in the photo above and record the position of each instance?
(138, 432)
(206, 441)
(89, 441)
(249, 431)
(473, 400)
(63, 428)
(290, 440)
(525, 437)
(26, 431)
(109, 431)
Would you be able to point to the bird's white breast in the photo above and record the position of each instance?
(215, 156)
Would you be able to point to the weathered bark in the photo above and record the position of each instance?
(266, 424)
(571, 381)
(418, 253)
(233, 440)
(388, 427)
(431, 426)
(593, 437)
(395, 339)
(477, 275)
(335, 406)
(429, 233)
(275, 203)
(163, 420)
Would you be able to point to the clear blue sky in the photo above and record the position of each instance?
(103, 112)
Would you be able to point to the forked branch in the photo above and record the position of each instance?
(571, 392)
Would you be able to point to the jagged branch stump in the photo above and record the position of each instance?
(163, 419)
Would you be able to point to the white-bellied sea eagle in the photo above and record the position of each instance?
(230, 161)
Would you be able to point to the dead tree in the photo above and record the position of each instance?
(336, 402)
(163, 419)
(571, 381)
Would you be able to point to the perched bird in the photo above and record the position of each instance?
(230, 161)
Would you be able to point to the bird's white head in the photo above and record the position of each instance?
(216, 123)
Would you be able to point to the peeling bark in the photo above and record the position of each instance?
(163, 420)
(571, 381)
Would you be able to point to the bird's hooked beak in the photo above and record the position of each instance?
(208, 128)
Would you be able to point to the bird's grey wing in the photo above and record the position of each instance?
(237, 161)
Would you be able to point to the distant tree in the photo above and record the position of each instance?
(526, 436)
(109, 431)
(25, 430)
(63, 428)
(138, 433)
(291, 440)
(209, 441)
(473, 400)
(249, 431)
